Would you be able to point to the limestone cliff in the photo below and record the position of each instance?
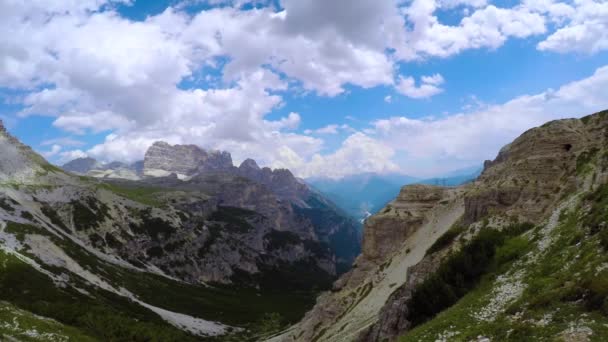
(530, 180)
(394, 240)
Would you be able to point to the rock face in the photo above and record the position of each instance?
(91, 167)
(526, 174)
(525, 183)
(399, 220)
(291, 224)
(162, 159)
(394, 240)
(18, 162)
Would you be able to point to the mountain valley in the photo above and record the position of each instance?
(187, 246)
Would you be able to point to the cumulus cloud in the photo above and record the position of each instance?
(93, 70)
(586, 31)
(438, 144)
(358, 152)
(330, 129)
(429, 86)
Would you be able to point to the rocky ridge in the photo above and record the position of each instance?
(533, 180)
(198, 255)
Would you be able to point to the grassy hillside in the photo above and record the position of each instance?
(547, 284)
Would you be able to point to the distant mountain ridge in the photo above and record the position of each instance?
(162, 258)
(362, 195)
(192, 164)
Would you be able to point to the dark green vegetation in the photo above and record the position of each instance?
(157, 228)
(237, 306)
(106, 317)
(7, 204)
(279, 240)
(462, 271)
(584, 159)
(143, 194)
(49, 212)
(446, 239)
(89, 215)
(565, 286)
(596, 219)
(235, 219)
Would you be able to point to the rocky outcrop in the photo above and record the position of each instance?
(162, 159)
(528, 174)
(277, 194)
(392, 319)
(386, 231)
(524, 183)
(18, 162)
(394, 240)
(113, 170)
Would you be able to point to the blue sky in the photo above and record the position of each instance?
(325, 89)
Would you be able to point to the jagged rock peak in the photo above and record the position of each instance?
(186, 160)
(249, 164)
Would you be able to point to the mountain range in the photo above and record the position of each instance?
(518, 254)
(189, 247)
(185, 246)
(362, 195)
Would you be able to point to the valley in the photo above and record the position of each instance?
(190, 247)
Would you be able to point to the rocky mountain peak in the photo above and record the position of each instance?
(162, 159)
(18, 162)
(81, 165)
(249, 164)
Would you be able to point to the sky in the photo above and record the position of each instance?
(324, 88)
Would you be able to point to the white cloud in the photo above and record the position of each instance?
(330, 129)
(428, 87)
(67, 156)
(55, 149)
(66, 141)
(448, 4)
(486, 27)
(436, 145)
(358, 153)
(92, 70)
(388, 99)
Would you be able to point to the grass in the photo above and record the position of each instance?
(445, 239)
(583, 161)
(461, 272)
(240, 306)
(141, 194)
(568, 283)
(106, 317)
(24, 326)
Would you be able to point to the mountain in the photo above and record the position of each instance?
(364, 194)
(361, 194)
(160, 258)
(455, 178)
(91, 167)
(81, 165)
(519, 254)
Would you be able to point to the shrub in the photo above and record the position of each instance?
(511, 250)
(49, 212)
(234, 218)
(445, 239)
(597, 293)
(462, 271)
